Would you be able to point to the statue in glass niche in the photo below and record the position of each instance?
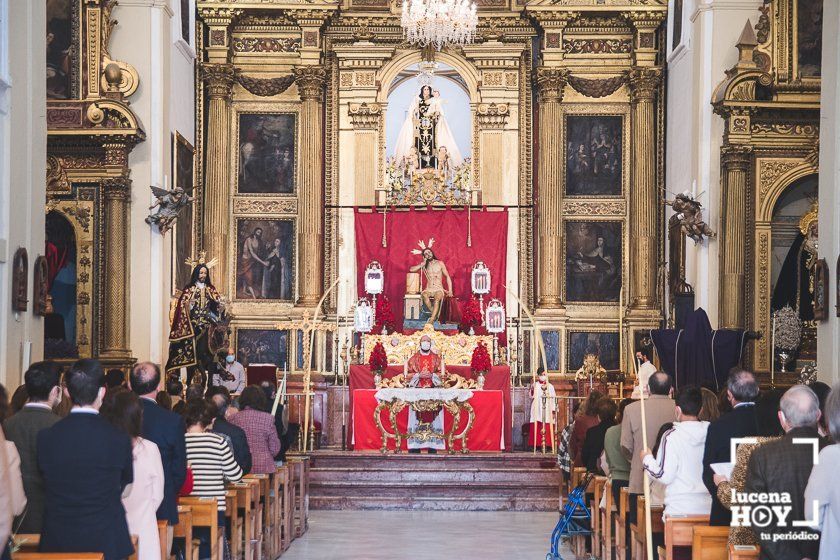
(795, 286)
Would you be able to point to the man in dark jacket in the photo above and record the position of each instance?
(782, 467)
(86, 463)
(165, 429)
(740, 422)
(219, 396)
(22, 429)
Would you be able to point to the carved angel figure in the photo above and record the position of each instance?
(169, 204)
(690, 214)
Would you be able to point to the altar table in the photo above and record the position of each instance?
(497, 379)
(485, 435)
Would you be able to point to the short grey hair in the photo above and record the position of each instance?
(832, 412)
(800, 406)
(742, 384)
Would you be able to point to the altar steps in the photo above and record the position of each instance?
(475, 482)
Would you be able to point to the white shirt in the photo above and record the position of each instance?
(237, 384)
(645, 371)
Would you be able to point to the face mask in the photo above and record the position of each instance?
(425, 346)
(543, 379)
(229, 359)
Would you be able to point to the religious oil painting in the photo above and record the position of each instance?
(593, 261)
(60, 337)
(605, 345)
(809, 24)
(551, 342)
(182, 237)
(60, 50)
(185, 20)
(265, 258)
(267, 153)
(676, 33)
(303, 346)
(593, 155)
(262, 346)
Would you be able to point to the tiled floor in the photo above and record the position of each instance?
(425, 535)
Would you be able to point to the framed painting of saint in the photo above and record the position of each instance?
(265, 268)
(593, 261)
(593, 155)
(809, 22)
(605, 345)
(183, 176)
(267, 153)
(551, 342)
(262, 346)
(62, 29)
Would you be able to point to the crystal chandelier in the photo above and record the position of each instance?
(439, 22)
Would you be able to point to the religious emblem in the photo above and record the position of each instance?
(41, 287)
(169, 204)
(689, 212)
(480, 279)
(494, 319)
(363, 317)
(374, 278)
(20, 279)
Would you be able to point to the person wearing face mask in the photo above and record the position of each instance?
(233, 376)
(543, 409)
(423, 370)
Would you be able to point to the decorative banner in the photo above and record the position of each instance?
(449, 230)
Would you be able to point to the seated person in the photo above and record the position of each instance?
(424, 370)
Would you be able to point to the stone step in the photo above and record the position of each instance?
(433, 503)
(330, 459)
(453, 476)
(433, 490)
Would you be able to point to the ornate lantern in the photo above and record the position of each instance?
(480, 279)
(374, 278)
(363, 317)
(494, 317)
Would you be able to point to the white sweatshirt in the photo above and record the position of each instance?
(679, 466)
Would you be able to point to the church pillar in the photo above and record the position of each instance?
(736, 163)
(365, 118)
(550, 83)
(491, 121)
(116, 193)
(218, 79)
(310, 82)
(644, 200)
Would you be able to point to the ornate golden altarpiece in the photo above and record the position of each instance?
(771, 136)
(331, 64)
(89, 138)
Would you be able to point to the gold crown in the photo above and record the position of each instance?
(809, 218)
(201, 260)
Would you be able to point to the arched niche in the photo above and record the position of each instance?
(389, 72)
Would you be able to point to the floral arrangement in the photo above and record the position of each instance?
(378, 359)
(788, 333)
(470, 315)
(384, 316)
(480, 361)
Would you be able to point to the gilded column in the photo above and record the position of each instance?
(736, 164)
(550, 83)
(644, 200)
(491, 121)
(218, 79)
(310, 82)
(116, 193)
(365, 118)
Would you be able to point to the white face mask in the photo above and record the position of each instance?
(425, 346)
(543, 378)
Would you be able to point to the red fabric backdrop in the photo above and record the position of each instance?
(498, 378)
(449, 230)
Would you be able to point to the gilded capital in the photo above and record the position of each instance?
(117, 188)
(219, 79)
(736, 157)
(365, 115)
(550, 83)
(644, 82)
(116, 152)
(218, 16)
(644, 20)
(492, 115)
(310, 82)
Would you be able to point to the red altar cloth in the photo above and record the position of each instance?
(485, 435)
(497, 379)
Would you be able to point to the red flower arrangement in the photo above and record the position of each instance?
(470, 315)
(384, 316)
(480, 362)
(378, 358)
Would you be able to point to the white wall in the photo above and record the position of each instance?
(149, 38)
(23, 154)
(694, 134)
(828, 333)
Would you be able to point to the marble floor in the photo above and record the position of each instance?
(425, 535)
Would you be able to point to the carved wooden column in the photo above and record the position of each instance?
(116, 196)
(218, 79)
(550, 83)
(735, 161)
(310, 82)
(491, 121)
(365, 118)
(644, 200)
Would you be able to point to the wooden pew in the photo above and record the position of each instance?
(578, 542)
(205, 513)
(266, 524)
(183, 530)
(58, 556)
(744, 552)
(257, 513)
(710, 543)
(638, 533)
(679, 531)
(621, 517)
(605, 515)
(244, 502)
(162, 530)
(285, 505)
(597, 487)
(300, 466)
(234, 522)
(27, 542)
